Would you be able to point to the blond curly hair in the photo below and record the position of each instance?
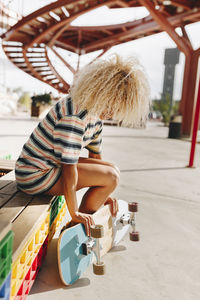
(116, 86)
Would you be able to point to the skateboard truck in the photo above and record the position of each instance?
(93, 245)
(89, 246)
(130, 218)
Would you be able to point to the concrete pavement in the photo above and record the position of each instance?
(165, 263)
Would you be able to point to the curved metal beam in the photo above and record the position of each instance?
(135, 31)
(166, 26)
(38, 13)
(56, 26)
(59, 32)
(65, 84)
(64, 61)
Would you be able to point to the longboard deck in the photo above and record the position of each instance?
(71, 260)
(119, 231)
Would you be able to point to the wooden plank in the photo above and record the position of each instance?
(9, 189)
(3, 183)
(4, 198)
(28, 221)
(14, 206)
(41, 200)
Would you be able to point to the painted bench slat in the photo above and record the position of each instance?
(14, 206)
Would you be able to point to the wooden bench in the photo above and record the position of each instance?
(33, 221)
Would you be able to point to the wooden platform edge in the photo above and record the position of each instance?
(5, 227)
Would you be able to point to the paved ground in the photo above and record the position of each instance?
(165, 263)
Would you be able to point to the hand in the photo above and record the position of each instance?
(114, 205)
(85, 219)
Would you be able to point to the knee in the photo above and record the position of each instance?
(114, 177)
(116, 169)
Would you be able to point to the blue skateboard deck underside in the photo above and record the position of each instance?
(73, 262)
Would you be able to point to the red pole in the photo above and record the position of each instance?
(195, 129)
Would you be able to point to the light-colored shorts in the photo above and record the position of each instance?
(36, 181)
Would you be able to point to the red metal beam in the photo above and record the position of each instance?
(188, 91)
(44, 10)
(102, 53)
(190, 72)
(166, 26)
(64, 83)
(63, 60)
(50, 29)
(134, 29)
(59, 33)
(182, 3)
(195, 130)
(134, 32)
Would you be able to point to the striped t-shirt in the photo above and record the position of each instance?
(58, 139)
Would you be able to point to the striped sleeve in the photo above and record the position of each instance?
(68, 136)
(95, 146)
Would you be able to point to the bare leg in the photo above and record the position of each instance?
(99, 162)
(101, 178)
(102, 181)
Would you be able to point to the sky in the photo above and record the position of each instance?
(149, 50)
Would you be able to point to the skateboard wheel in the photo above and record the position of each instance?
(133, 206)
(134, 236)
(99, 269)
(96, 231)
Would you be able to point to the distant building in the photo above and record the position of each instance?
(170, 61)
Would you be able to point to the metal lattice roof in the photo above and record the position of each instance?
(26, 44)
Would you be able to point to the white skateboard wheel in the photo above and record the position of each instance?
(96, 231)
(99, 269)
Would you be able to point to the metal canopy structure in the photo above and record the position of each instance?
(28, 42)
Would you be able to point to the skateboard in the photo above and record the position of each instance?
(76, 251)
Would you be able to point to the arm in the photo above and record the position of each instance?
(95, 146)
(70, 181)
(93, 155)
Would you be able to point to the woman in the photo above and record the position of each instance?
(50, 161)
